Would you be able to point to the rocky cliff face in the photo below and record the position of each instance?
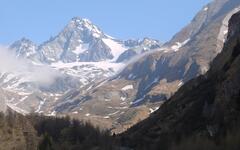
(206, 106)
(26, 49)
(157, 75)
(192, 51)
(80, 40)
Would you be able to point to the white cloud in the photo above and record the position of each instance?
(41, 74)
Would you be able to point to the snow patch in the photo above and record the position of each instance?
(102, 65)
(137, 101)
(107, 100)
(127, 87)
(21, 100)
(225, 32)
(81, 48)
(111, 114)
(178, 45)
(87, 115)
(75, 112)
(53, 113)
(180, 84)
(116, 47)
(152, 110)
(106, 117)
(123, 98)
(40, 105)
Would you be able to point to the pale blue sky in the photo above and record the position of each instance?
(123, 19)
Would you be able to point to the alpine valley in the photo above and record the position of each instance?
(86, 74)
(85, 90)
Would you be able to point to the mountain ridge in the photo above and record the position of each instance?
(207, 106)
(80, 56)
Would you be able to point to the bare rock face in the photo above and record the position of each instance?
(26, 49)
(97, 52)
(184, 57)
(79, 37)
(205, 106)
(82, 41)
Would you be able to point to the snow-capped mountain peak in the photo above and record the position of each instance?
(81, 55)
(85, 24)
(79, 41)
(24, 48)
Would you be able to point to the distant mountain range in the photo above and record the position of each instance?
(80, 56)
(82, 41)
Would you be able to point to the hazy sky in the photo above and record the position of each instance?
(123, 19)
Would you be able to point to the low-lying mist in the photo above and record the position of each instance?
(42, 75)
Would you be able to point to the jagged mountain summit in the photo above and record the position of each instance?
(80, 56)
(81, 41)
(25, 48)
